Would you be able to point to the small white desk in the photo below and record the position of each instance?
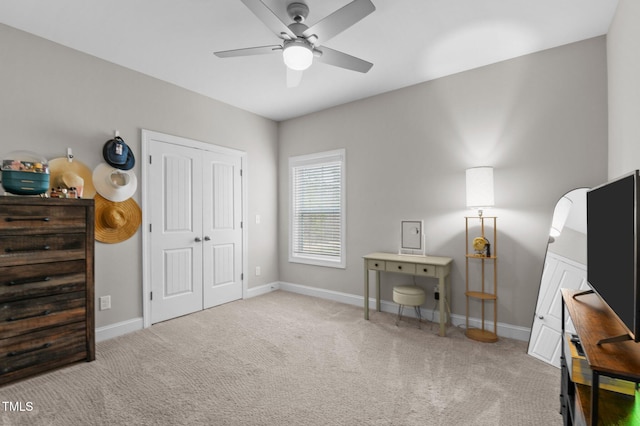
(425, 266)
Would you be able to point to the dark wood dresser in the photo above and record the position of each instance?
(46, 284)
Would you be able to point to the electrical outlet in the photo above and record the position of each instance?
(436, 295)
(258, 271)
(105, 303)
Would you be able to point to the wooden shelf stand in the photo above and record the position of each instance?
(487, 293)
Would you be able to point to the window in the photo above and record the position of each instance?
(317, 209)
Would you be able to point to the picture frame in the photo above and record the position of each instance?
(412, 237)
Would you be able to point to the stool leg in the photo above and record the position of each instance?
(400, 307)
(419, 312)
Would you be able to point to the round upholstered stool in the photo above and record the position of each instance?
(408, 295)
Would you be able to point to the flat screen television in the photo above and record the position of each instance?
(612, 249)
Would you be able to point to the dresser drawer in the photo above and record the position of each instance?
(378, 265)
(426, 270)
(41, 219)
(26, 249)
(25, 316)
(41, 279)
(406, 268)
(36, 352)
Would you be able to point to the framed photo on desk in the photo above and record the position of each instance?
(412, 238)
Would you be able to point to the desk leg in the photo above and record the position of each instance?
(442, 306)
(366, 291)
(378, 291)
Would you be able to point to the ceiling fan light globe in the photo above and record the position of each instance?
(298, 57)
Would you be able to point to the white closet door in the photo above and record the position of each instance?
(195, 235)
(176, 234)
(222, 228)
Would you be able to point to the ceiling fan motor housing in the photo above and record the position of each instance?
(298, 29)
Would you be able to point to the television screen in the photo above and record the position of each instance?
(612, 248)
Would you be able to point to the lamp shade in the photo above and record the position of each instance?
(297, 55)
(560, 215)
(480, 187)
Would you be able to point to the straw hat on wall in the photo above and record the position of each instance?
(116, 221)
(66, 174)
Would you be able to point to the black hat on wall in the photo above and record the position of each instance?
(118, 154)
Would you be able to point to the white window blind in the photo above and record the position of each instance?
(317, 209)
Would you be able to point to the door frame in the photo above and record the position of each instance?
(147, 136)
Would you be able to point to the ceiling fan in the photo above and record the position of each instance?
(301, 44)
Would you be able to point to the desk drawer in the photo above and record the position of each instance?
(378, 265)
(403, 267)
(426, 270)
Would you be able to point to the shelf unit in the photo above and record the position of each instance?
(488, 292)
(592, 405)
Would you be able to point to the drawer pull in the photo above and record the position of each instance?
(26, 351)
(399, 267)
(41, 248)
(376, 265)
(29, 280)
(25, 218)
(425, 270)
(41, 314)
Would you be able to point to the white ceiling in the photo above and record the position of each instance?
(408, 41)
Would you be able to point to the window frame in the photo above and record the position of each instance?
(316, 159)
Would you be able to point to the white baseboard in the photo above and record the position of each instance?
(118, 329)
(504, 330)
(260, 290)
(124, 327)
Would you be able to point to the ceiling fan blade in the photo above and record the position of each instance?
(270, 19)
(340, 20)
(342, 60)
(294, 78)
(249, 51)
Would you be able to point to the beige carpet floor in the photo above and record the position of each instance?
(287, 359)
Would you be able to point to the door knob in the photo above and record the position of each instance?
(206, 238)
(540, 317)
(198, 239)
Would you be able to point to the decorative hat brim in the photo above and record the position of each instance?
(131, 213)
(62, 165)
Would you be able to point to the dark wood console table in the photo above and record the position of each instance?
(593, 322)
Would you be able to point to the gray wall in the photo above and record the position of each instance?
(540, 120)
(623, 51)
(54, 97)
